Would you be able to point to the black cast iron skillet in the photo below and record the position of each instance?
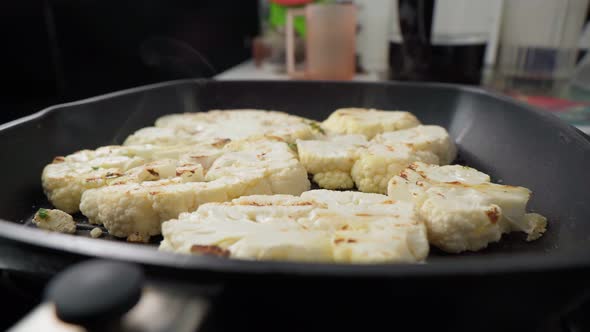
(514, 143)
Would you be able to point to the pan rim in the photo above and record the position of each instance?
(523, 262)
(150, 256)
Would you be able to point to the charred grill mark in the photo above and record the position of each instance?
(221, 143)
(210, 250)
(59, 159)
(152, 172)
(342, 240)
(302, 204)
(493, 214)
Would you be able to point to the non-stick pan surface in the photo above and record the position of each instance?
(514, 143)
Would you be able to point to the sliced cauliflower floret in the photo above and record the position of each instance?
(191, 128)
(368, 122)
(246, 168)
(380, 162)
(321, 225)
(460, 219)
(68, 177)
(138, 209)
(418, 177)
(161, 136)
(428, 138)
(274, 158)
(330, 159)
(54, 220)
(160, 170)
(462, 209)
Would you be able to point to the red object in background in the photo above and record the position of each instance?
(549, 103)
(291, 2)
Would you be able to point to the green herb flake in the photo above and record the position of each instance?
(316, 126)
(293, 146)
(42, 213)
(95, 168)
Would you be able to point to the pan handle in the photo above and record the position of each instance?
(99, 295)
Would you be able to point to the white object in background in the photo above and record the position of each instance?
(584, 42)
(495, 24)
(543, 23)
(539, 44)
(460, 22)
(395, 34)
(375, 19)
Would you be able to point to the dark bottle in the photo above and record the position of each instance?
(418, 58)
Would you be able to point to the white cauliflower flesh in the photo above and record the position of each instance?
(223, 124)
(462, 209)
(378, 163)
(427, 138)
(68, 177)
(330, 159)
(246, 168)
(418, 177)
(326, 226)
(273, 158)
(368, 122)
(163, 137)
(54, 220)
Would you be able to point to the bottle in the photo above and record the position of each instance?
(441, 40)
(373, 37)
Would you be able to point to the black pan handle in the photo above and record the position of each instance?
(96, 292)
(100, 295)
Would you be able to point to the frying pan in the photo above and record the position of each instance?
(514, 143)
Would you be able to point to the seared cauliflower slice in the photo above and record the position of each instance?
(54, 220)
(68, 177)
(462, 209)
(340, 161)
(279, 164)
(246, 168)
(223, 124)
(418, 177)
(368, 122)
(136, 210)
(427, 138)
(321, 225)
(163, 137)
(380, 162)
(330, 159)
(370, 227)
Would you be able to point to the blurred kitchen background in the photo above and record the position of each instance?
(57, 51)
